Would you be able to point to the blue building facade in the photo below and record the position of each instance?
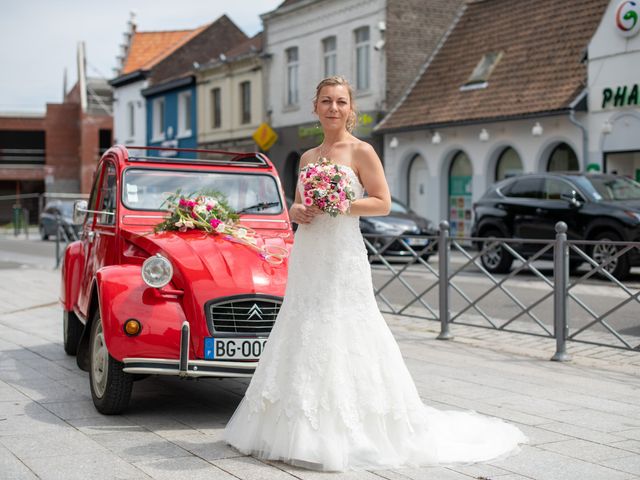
(171, 116)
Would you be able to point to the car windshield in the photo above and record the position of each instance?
(612, 188)
(148, 189)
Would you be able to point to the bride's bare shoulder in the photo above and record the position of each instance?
(308, 156)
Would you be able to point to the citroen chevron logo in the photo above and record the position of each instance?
(255, 312)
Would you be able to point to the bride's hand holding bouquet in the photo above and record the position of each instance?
(325, 189)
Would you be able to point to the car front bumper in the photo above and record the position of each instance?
(185, 367)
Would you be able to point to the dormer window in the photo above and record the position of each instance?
(480, 76)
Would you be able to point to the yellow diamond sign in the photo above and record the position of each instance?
(265, 137)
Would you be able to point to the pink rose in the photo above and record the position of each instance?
(214, 222)
(308, 201)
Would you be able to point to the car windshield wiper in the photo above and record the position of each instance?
(259, 206)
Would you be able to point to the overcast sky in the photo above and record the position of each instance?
(39, 38)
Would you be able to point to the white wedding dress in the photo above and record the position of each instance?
(331, 390)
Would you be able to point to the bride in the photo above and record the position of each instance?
(331, 390)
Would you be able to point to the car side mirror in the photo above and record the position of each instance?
(79, 212)
(572, 198)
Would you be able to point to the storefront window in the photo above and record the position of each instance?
(460, 193)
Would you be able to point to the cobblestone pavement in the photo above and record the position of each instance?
(582, 417)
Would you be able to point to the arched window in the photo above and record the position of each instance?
(460, 195)
(508, 164)
(418, 177)
(563, 159)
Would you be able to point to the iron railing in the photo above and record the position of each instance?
(506, 302)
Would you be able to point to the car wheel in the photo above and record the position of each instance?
(110, 386)
(601, 253)
(71, 331)
(43, 232)
(497, 259)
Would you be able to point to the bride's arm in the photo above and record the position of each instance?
(371, 174)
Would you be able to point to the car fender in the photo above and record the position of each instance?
(606, 224)
(123, 295)
(71, 271)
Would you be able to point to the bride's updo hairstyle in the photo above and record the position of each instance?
(333, 81)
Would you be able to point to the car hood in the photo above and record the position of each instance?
(624, 204)
(209, 266)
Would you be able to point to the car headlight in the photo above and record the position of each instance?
(634, 215)
(157, 271)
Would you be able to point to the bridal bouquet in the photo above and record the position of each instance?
(211, 213)
(326, 185)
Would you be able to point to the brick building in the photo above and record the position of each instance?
(56, 151)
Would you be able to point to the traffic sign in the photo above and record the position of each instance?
(264, 136)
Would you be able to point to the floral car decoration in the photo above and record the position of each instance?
(211, 213)
(171, 284)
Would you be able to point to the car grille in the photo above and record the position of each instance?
(244, 315)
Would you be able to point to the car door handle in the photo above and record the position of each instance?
(540, 211)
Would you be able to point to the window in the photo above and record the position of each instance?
(362, 58)
(108, 196)
(563, 159)
(131, 114)
(158, 118)
(184, 114)
(530, 187)
(508, 165)
(245, 98)
(555, 189)
(480, 75)
(292, 75)
(329, 52)
(216, 109)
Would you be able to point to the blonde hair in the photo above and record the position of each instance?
(333, 81)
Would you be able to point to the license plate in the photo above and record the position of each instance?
(233, 348)
(417, 242)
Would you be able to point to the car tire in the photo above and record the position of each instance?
(43, 232)
(71, 332)
(110, 385)
(620, 267)
(497, 260)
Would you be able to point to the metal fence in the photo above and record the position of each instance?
(591, 306)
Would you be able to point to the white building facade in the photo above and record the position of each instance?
(614, 91)
(129, 113)
(308, 40)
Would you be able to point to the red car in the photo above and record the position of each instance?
(191, 304)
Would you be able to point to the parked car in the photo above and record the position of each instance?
(58, 212)
(401, 221)
(601, 207)
(190, 303)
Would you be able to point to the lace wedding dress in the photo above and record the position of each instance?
(331, 390)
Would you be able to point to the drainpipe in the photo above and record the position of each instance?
(585, 133)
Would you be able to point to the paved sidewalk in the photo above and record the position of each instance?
(582, 417)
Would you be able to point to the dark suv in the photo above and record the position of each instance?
(594, 207)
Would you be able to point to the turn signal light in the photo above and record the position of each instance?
(132, 327)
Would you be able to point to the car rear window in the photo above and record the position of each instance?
(148, 189)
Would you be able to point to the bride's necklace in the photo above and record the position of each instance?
(324, 151)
